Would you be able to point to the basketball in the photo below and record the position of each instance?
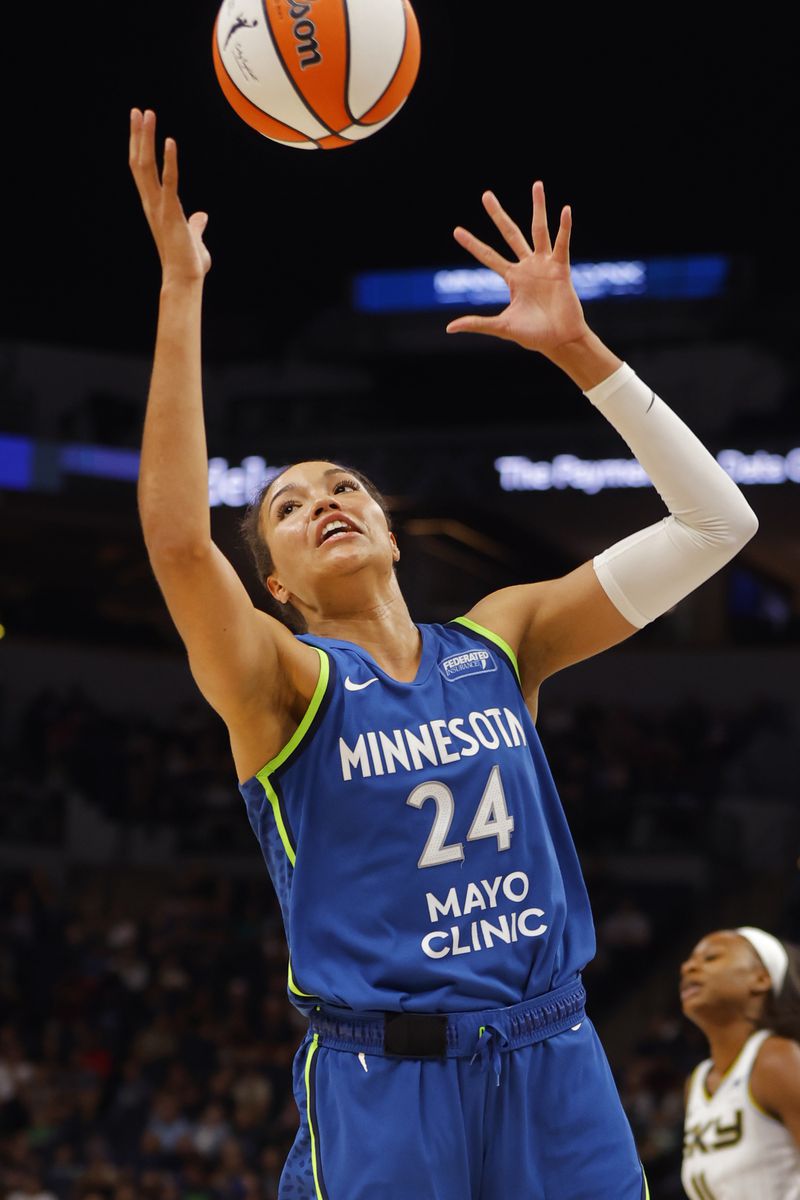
(316, 74)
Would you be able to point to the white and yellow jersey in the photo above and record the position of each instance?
(732, 1150)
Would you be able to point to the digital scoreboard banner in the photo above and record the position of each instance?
(695, 277)
(516, 473)
(16, 463)
(26, 465)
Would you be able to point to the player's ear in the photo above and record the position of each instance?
(762, 983)
(395, 548)
(277, 590)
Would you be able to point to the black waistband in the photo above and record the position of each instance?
(450, 1035)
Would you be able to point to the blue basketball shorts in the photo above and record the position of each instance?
(519, 1105)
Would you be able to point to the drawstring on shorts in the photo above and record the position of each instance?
(488, 1049)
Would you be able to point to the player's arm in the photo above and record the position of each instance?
(559, 622)
(235, 651)
(775, 1082)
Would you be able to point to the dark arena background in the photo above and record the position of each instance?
(145, 1038)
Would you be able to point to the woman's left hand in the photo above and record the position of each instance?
(544, 313)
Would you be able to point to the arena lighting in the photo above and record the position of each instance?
(691, 278)
(99, 462)
(567, 471)
(16, 463)
(234, 486)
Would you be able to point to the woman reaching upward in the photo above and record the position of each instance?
(434, 906)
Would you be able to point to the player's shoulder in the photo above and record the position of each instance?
(487, 637)
(776, 1053)
(299, 661)
(776, 1073)
(508, 612)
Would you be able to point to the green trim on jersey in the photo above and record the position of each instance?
(312, 1050)
(294, 988)
(263, 776)
(646, 1186)
(493, 637)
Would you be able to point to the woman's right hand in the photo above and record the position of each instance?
(184, 257)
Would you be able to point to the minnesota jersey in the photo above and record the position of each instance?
(415, 838)
(732, 1149)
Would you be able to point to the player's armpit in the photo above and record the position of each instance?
(775, 1082)
(242, 659)
(555, 623)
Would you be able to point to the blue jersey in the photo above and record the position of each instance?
(415, 837)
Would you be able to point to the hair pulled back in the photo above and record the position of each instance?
(262, 556)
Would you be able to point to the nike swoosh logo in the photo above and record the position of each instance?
(358, 687)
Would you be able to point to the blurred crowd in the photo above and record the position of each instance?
(630, 778)
(146, 1040)
(132, 769)
(652, 779)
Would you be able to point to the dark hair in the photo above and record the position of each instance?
(262, 555)
(781, 1013)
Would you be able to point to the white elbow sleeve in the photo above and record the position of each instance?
(648, 573)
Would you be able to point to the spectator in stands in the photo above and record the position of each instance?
(168, 1133)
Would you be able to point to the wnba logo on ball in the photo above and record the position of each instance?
(305, 33)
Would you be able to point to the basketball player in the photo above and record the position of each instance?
(434, 907)
(742, 1131)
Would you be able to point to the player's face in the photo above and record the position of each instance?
(320, 522)
(722, 976)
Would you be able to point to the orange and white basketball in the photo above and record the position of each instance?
(316, 74)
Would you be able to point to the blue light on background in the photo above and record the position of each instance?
(232, 486)
(692, 278)
(16, 463)
(698, 278)
(22, 471)
(100, 462)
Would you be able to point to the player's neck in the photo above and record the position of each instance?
(383, 627)
(726, 1041)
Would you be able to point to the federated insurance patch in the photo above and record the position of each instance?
(471, 662)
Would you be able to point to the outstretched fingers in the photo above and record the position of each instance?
(135, 135)
(169, 175)
(143, 154)
(508, 228)
(539, 230)
(561, 248)
(495, 326)
(483, 253)
(147, 146)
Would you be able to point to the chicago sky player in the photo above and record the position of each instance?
(742, 1129)
(434, 907)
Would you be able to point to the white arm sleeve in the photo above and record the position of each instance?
(646, 574)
